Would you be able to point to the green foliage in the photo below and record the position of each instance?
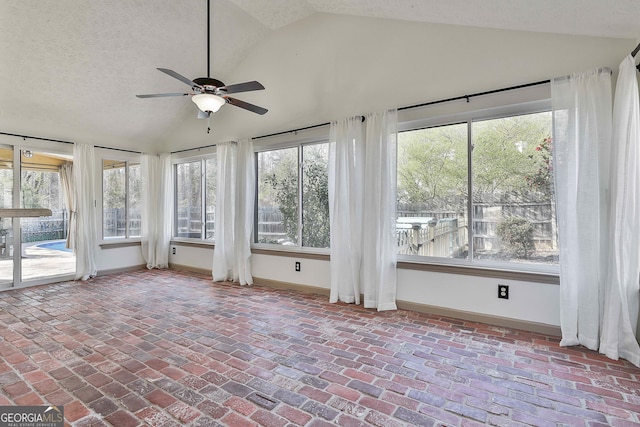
(279, 174)
(284, 182)
(501, 154)
(113, 187)
(541, 179)
(432, 166)
(516, 234)
(315, 201)
(433, 162)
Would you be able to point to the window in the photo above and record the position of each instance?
(432, 192)
(505, 164)
(195, 187)
(121, 203)
(293, 197)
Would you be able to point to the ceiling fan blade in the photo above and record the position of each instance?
(180, 77)
(246, 105)
(242, 87)
(160, 95)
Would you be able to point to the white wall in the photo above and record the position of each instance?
(113, 259)
(528, 302)
(327, 67)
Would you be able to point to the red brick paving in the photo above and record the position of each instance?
(166, 348)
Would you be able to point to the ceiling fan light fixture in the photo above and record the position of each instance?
(208, 102)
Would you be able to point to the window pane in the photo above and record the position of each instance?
(135, 201)
(114, 197)
(278, 197)
(513, 200)
(210, 197)
(6, 201)
(40, 188)
(432, 192)
(315, 196)
(189, 199)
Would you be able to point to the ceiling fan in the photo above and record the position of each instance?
(210, 94)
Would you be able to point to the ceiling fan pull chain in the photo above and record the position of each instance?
(209, 123)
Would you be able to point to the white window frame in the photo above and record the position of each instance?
(127, 160)
(281, 145)
(210, 154)
(468, 117)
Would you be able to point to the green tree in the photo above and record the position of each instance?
(432, 166)
(315, 197)
(502, 150)
(279, 176)
(40, 189)
(280, 189)
(113, 186)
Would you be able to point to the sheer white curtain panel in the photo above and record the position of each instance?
(622, 290)
(362, 210)
(346, 185)
(379, 249)
(157, 209)
(68, 188)
(235, 192)
(84, 162)
(224, 252)
(582, 141)
(245, 202)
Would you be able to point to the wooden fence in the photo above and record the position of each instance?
(114, 222)
(445, 238)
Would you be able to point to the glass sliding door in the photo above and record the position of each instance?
(43, 250)
(6, 224)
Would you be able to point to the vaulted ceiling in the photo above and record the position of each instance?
(69, 69)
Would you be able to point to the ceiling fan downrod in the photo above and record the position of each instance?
(208, 39)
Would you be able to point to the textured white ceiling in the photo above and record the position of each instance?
(69, 69)
(610, 18)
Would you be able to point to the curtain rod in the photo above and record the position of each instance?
(457, 98)
(65, 142)
(118, 149)
(635, 51)
(294, 130)
(191, 149)
(298, 130)
(36, 137)
(473, 95)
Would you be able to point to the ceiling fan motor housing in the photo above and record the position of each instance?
(208, 83)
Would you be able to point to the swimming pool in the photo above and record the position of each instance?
(56, 246)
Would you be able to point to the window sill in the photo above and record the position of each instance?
(182, 241)
(120, 243)
(307, 253)
(483, 271)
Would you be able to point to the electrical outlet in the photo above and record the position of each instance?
(503, 291)
(173, 250)
(297, 265)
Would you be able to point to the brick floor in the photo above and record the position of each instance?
(167, 348)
